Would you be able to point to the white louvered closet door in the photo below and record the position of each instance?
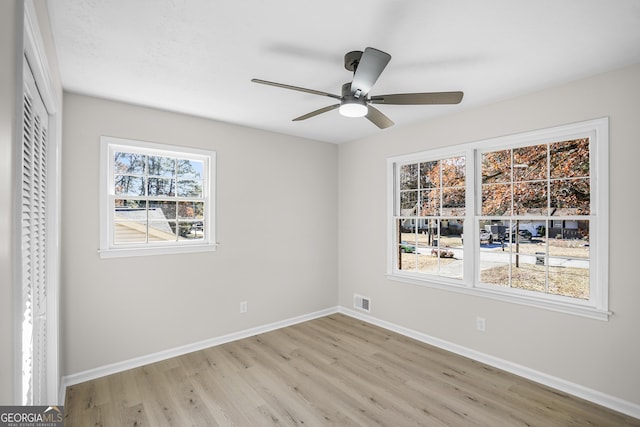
(34, 243)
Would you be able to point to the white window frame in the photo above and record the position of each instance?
(597, 305)
(108, 249)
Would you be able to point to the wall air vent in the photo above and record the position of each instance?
(362, 303)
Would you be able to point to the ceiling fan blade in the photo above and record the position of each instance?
(299, 89)
(418, 98)
(316, 112)
(371, 65)
(376, 117)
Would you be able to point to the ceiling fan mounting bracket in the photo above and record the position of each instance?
(352, 59)
(346, 90)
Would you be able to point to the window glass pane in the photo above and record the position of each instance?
(162, 231)
(128, 163)
(409, 177)
(161, 187)
(429, 174)
(570, 281)
(427, 241)
(129, 232)
(427, 263)
(191, 230)
(496, 167)
(190, 210)
(494, 251)
(406, 243)
(451, 228)
(453, 172)
(128, 185)
(530, 163)
(190, 188)
(407, 259)
(407, 228)
(526, 274)
(571, 196)
(450, 248)
(530, 198)
(430, 202)
(408, 203)
(569, 158)
(134, 214)
(569, 260)
(190, 169)
(496, 199)
(428, 232)
(453, 201)
(162, 166)
(162, 210)
(523, 231)
(569, 238)
(495, 266)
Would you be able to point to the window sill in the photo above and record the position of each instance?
(156, 250)
(558, 306)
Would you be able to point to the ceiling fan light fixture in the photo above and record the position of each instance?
(353, 109)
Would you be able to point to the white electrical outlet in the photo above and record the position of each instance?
(481, 324)
(244, 307)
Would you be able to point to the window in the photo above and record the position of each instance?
(431, 216)
(521, 218)
(156, 198)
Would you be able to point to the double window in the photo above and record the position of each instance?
(156, 198)
(521, 218)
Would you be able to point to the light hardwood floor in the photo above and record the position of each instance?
(335, 370)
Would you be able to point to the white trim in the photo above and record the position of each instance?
(91, 374)
(35, 52)
(566, 308)
(595, 396)
(597, 305)
(108, 145)
(17, 205)
(168, 250)
(32, 48)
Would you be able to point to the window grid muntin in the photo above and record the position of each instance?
(148, 151)
(516, 216)
(598, 132)
(430, 223)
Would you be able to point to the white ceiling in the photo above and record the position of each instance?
(199, 56)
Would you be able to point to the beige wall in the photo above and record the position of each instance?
(277, 227)
(279, 238)
(599, 355)
(8, 33)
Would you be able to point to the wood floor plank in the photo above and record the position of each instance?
(331, 371)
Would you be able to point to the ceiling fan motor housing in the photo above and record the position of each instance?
(352, 59)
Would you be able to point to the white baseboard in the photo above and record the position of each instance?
(136, 362)
(577, 390)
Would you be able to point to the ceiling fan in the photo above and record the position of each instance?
(355, 100)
